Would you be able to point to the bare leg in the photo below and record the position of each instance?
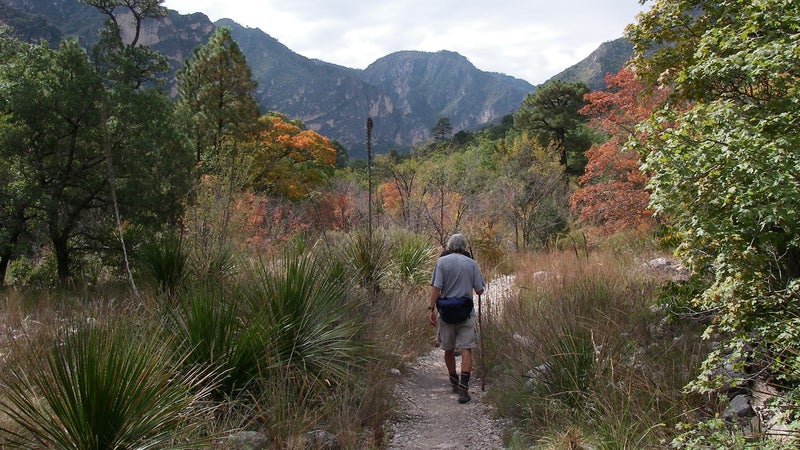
(466, 360)
(466, 368)
(450, 361)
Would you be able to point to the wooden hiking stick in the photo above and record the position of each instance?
(480, 326)
(480, 343)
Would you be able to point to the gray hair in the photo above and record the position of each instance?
(457, 243)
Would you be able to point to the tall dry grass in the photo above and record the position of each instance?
(575, 354)
(581, 358)
(329, 341)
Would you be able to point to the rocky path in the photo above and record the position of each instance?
(428, 415)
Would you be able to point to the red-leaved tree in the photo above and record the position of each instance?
(612, 195)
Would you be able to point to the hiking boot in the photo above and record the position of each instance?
(454, 383)
(463, 394)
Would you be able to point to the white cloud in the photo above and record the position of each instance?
(528, 39)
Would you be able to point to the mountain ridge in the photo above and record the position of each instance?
(404, 92)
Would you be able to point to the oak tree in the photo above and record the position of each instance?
(289, 159)
(94, 144)
(530, 191)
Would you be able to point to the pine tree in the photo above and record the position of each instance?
(216, 87)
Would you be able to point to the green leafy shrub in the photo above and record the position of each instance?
(19, 272)
(713, 433)
(723, 166)
(676, 298)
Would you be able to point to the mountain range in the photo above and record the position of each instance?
(404, 93)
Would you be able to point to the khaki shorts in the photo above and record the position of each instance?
(458, 335)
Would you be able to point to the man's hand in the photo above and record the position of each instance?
(434, 294)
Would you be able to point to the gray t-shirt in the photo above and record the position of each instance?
(457, 275)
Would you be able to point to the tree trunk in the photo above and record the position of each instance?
(4, 260)
(8, 252)
(61, 249)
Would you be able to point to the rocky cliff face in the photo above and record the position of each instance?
(608, 58)
(405, 93)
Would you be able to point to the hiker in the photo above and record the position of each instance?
(454, 278)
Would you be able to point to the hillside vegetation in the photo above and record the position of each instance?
(197, 273)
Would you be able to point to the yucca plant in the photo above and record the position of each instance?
(212, 332)
(165, 262)
(318, 358)
(310, 327)
(368, 258)
(413, 258)
(102, 388)
(217, 265)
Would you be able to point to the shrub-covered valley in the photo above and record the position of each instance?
(180, 270)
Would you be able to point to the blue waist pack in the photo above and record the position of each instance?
(454, 309)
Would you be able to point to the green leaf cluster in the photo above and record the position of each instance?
(724, 160)
(103, 387)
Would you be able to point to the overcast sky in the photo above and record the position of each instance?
(528, 39)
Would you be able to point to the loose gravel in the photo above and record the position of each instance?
(428, 415)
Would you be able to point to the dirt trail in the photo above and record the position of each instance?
(428, 415)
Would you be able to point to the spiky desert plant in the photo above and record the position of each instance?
(317, 348)
(368, 257)
(311, 329)
(211, 331)
(165, 262)
(99, 388)
(217, 265)
(412, 257)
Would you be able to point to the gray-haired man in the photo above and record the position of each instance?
(455, 276)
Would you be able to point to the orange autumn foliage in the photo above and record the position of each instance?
(263, 222)
(612, 196)
(289, 160)
(625, 103)
(390, 197)
(337, 211)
